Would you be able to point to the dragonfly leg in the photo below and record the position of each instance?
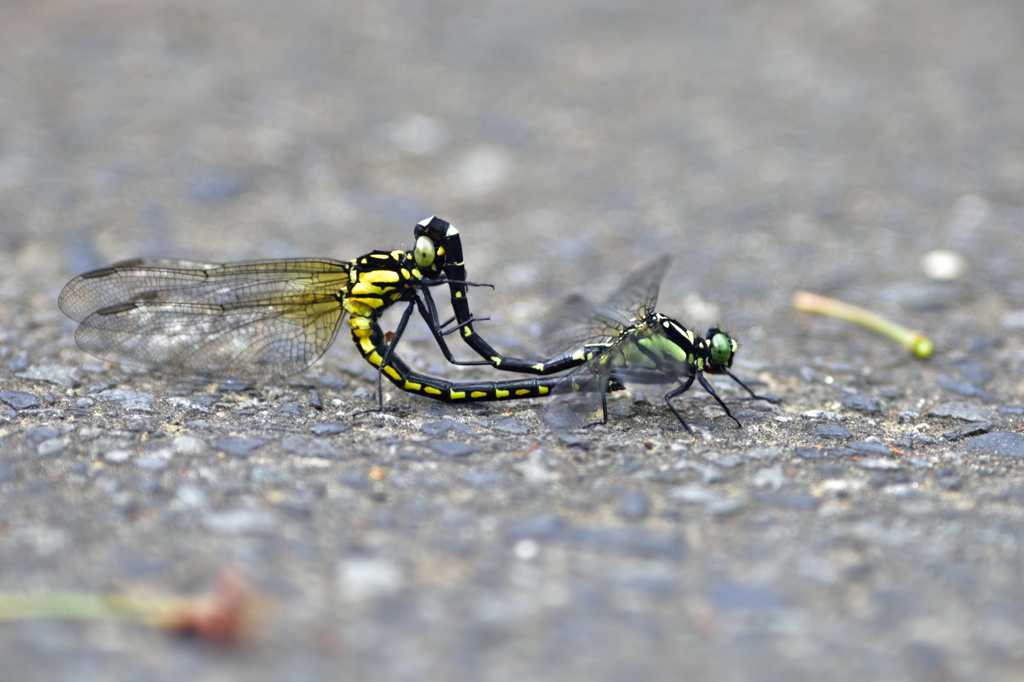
(458, 327)
(707, 387)
(428, 310)
(676, 392)
(387, 358)
(747, 388)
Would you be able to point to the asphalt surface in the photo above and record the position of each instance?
(869, 526)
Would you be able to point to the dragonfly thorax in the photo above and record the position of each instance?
(712, 354)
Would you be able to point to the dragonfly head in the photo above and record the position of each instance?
(720, 349)
(429, 253)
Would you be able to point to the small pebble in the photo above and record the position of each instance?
(968, 430)
(239, 447)
(443, 426)
(360, 579)
(453, 449)
(192, 496)
(205, 400)
(694, 494)
(316, 400)
(329, 428)
(117, 456)
(573, 441)
(870, 448)
(187, 445)
(37, 434)
(969, 412)
(19, 400)
(509, 425)
(832, 432)
(54, 374)
(996, 443)
(526, 550)
(139, 424)
(943, 265)
(51, 447)
(861, 403)
(127, 400)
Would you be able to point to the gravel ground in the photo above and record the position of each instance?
(869, 526)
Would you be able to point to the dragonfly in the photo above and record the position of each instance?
(267, 319)
(625, 341)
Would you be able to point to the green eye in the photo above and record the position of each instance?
(424, 252)
(721, 349)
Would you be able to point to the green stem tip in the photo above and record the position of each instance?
(919, 344)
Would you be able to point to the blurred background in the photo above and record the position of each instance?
(828, 145)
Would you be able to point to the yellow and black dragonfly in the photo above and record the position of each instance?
(267, 319)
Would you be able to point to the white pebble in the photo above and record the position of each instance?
(943, 266)
(361, 579)
(526, 550)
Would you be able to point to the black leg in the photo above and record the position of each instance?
(471, 320)
(747, 388)
(428, 311)
(707, 387)
(678, 392)
(387, 358)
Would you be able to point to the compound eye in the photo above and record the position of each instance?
(424, 252)
(721, 349)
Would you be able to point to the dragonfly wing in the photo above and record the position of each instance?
(576, 399)
(250, 320)
(637, 297)
(574, 323)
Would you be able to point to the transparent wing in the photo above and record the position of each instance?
(574, 323)
(249, 320)
(636, 298)
(576, 399)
